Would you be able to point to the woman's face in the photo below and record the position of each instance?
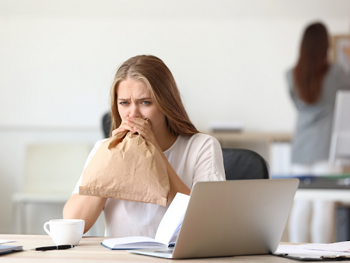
(135, 100)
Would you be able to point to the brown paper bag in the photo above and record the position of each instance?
(127, 167)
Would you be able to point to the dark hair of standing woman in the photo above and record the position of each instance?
(312, 64)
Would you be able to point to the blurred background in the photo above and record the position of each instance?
(58, 59)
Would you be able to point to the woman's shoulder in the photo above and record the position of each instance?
(193, 143)
(199, 141)
(335, 67)
(336, 70)
(97, 145)
(289, 71)
(202, 138)
(289, 75)
(337, 76)
(99, 142)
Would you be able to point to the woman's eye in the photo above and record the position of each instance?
(123, 103)
(146, 102)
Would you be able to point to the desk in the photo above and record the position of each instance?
(334, 188)
(259, 142)
(267, 137)
(90, 250)
(323, 195)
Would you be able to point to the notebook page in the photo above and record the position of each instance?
(172, 218)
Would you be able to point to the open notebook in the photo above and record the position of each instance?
(166, 233)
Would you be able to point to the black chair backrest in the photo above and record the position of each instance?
(106, 124)
(242, 164)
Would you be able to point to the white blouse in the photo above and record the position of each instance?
(194, 158)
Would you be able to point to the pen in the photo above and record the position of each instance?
(52, 247)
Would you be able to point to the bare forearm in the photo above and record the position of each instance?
(84, 207)
(176, 185)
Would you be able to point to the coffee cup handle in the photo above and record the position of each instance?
(46, 229)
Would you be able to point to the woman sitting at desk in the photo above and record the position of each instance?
(144, 87)
(313, 84)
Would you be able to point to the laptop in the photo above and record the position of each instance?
(230, 218)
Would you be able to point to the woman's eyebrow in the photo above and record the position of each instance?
(146, 98)
(143, 98)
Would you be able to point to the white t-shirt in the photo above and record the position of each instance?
(194, 158)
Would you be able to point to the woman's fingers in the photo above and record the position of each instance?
(126, 126)
(142, 131)
(138, 121)
(140, 125)
(136, 125)
(116, 131)
(122, 127)
(143, 128)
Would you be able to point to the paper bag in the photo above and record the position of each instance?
(127, 167)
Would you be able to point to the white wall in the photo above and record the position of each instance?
(229, 57)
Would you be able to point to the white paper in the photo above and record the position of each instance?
(337, 247)
(3, 241)
(172, 219)
(300, 251)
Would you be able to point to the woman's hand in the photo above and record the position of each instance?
(144, 128)
(140, 126)
(123, 127)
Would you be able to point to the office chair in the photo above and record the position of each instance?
(242, 164)
(106, 124)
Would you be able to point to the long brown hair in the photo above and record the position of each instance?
(312, 63)
(161, 83)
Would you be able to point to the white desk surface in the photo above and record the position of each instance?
(336, 195)
(90, 250)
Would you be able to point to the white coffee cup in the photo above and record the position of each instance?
(65, 231)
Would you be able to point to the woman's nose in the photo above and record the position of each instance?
(134, 112)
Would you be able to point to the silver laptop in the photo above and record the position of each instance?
(244, 217)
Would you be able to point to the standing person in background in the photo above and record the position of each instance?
(313, 84)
